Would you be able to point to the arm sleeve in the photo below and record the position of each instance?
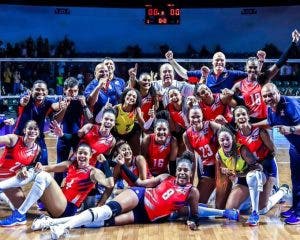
(129, 174)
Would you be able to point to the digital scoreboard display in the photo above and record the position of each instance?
(167, 14)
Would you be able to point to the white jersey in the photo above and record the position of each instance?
(185, 89)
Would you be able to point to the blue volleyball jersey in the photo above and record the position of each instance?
(226, 80)
(73, 118)
(35, 112)
(114, 90)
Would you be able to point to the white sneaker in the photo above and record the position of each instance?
(42, 223)
(288, 196)
(58, 231)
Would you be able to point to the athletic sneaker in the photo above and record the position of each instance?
(58, 231)
(253, 219)
(14, 219)
(293, 220)
(231, 214)
(288, 193)
(42, 223)
(288, 213)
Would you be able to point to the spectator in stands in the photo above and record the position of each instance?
(17, 86)
(7, 80)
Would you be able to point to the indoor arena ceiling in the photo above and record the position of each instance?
(142, 3)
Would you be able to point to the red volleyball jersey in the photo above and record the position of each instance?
(204, 143)
(16, 157)
(165, 198)
(133, 168)
(99, 144)
(158, 155)
(177, 116)
(217, 108)
(146, 105)
(254, 143)
(78, 184)
(251, 92)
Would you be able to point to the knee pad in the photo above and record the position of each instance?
(251, 180)
(101, 213)
(115, 208)
(43, 179)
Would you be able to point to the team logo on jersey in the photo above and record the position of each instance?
(182, 190)
(282, 113)
(254, 136)
(147, 99)
(166, 144)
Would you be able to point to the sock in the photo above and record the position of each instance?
(209, 212)
(14, 182)
(254, 193)
(6, 200)
(89, 217)
(260, 187)
(273, 200)
(41, 182)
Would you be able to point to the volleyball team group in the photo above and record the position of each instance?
(150, 150)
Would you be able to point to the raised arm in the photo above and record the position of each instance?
(261, 56)
(182, 72)
(132, 72)
(273, 70)
(145, 125)
(88, 115)
(93, 94)
(61, 107)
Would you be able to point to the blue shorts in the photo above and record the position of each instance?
(139, 212)
(269, 167)
(242, 181)
(70, 210)
(207, 171)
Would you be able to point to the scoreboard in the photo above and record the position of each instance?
(166, 14)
